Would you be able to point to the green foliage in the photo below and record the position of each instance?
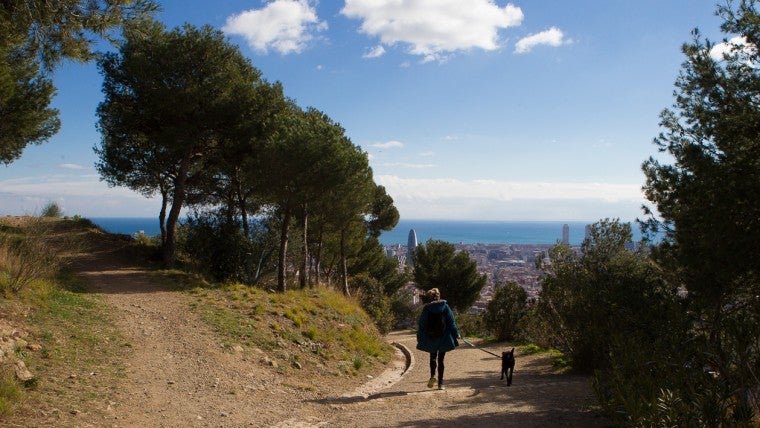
(35, 36)
(372, 260)
(221, 249)
(589, 299)
(26, 257)
(51, 210)
(471, 325)
(505, 311)
(25, 96)
(10, 392)
(707, 202)
(374, 301)
(438, 265)
(403, 309)
(170, 98)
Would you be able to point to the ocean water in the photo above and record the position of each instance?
(454, 231)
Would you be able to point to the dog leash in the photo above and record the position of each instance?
(484, 350)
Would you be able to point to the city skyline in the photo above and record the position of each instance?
(507, 111)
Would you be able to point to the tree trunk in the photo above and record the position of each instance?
(343, 266)
(242, 207)
(304, 278)
(283, 250)
(162, 215)
(317, 260)
(170, 247)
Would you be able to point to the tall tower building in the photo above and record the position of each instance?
(411, 244)
(566, 234)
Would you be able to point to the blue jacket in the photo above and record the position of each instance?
(448, 340)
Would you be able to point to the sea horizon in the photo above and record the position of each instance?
(537, 232)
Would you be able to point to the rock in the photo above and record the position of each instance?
(22, 373)
(7, 346)
(238, 348)
(34, 347)
(270, 362)
(297, 365)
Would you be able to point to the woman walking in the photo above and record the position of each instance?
(437, 333)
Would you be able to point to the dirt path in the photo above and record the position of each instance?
(474, 395)
(179, 374)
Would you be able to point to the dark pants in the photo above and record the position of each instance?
(440, 355)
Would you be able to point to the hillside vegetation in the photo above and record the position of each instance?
(313, 340)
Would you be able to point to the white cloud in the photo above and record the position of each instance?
(737, 45)
(283, 25)
(375, 52)
(408, 165)
(73, 166)
(389, 145)
(26, 196)
(491, 200)
(434, 28)
(551, 37)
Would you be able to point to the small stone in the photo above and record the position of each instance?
(224, 414)
(22, 373)
(34, 347)
(74, 412)
(238, 348)
(297, 365)
(171, 382)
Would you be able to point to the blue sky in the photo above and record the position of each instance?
(477, 109)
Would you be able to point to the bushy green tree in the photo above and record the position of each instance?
(706, 196)
(505, 311)
(170, 99)
(437, 264)
(589, 299)
(25, 96)
(35, 35)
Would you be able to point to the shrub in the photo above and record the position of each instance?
(10, 392)
(222, 250)
(373, 301)
(403, 309)
(52, 210)
(471, 324)
(26, 257)
(504, 313)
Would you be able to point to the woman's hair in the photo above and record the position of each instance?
(433, 294)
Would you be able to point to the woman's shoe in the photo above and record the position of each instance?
(431, 382)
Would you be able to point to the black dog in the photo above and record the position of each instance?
(507, 365)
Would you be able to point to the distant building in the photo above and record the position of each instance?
(566, 234)
(411, 244)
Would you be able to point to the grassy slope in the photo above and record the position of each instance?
(323, 335)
